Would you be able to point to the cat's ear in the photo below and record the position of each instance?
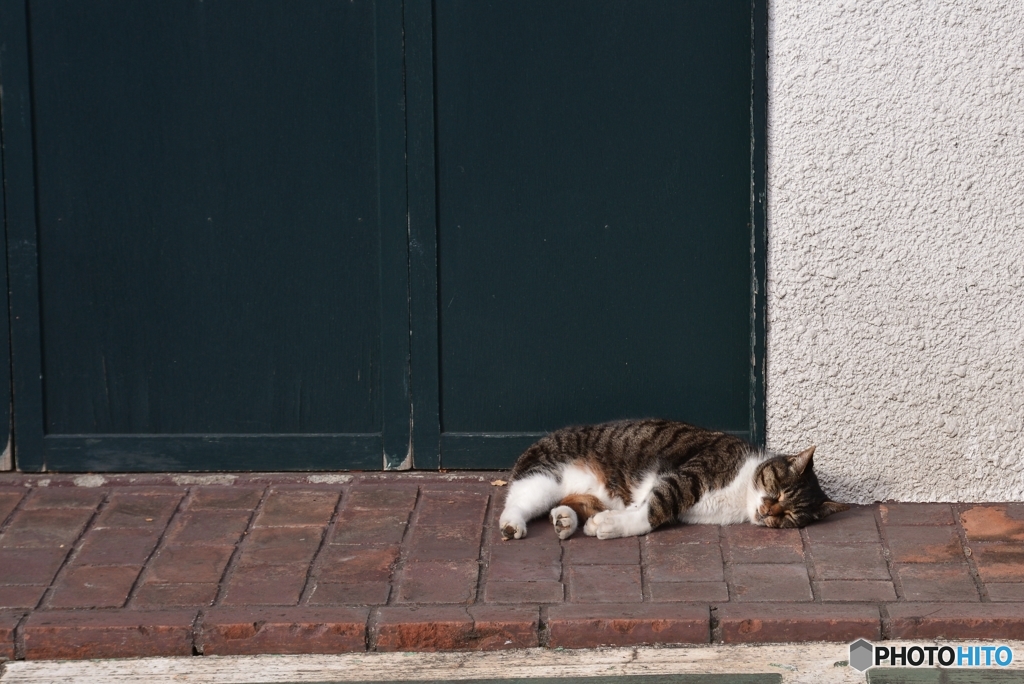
(830, 507)
(799, 463)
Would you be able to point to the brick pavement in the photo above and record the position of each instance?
(290, 563)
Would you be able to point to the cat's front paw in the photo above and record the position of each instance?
(512, 529)
(565, 521)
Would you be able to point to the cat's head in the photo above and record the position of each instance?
(790, 493)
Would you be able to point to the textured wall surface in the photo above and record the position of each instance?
(896, 245)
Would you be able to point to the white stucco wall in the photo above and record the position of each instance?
(896, 245)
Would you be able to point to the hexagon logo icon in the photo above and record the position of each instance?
(861, 654)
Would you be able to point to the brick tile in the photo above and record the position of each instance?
(956, 620)
(348, 564)
(525, 570)
(693, 592)
(604, 583)
(442, 507)
(352, 594)
(47, 527)
(370, 527)
(146, 489)
(523, 592)
(459, 541)
(255, 631)
(522, 551)
(684, 563)
(216, 528)
(65, 497)
(853, 526)
(575, 626)
(66, 634)
(780, 622)
(684, 534)
(502, 627)
(999, 562)
(1006, 591)
(924, 544)
(278, 584)
(117, 546)
(994, 522)
(148, 511)
(438, 582)
(189, 564)
(593, 551)
(282, 544)
(294, 482)
(225, 498)
(443, 628)
(30, 566)
(916, 513)
(483, 485)
(297, 507)
(394, 498)
(947, 582)
(849, 562)
(94, 587)
(8, 622)
(8, 502)
(856, 590)
(151, 595)
(770, 582)
(21, 596)
(751, 544)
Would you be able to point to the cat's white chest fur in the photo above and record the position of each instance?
(737, 502)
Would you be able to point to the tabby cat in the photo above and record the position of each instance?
(626, 478)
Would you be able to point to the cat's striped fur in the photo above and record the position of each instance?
(627, 478)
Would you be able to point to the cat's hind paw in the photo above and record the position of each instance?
(512, 529)
(615, 524)
(565, 521)
(607, 525)
(590, 527)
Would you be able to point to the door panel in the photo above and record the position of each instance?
(212, 241)
(267, 235)
(594, 231)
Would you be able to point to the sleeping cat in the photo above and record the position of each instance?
(626, 478)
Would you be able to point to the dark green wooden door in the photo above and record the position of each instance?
(211, 266)
(332, 234)
(594, 218)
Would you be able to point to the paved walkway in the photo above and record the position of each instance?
(141, 565)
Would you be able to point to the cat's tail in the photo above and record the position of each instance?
(575, 510)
